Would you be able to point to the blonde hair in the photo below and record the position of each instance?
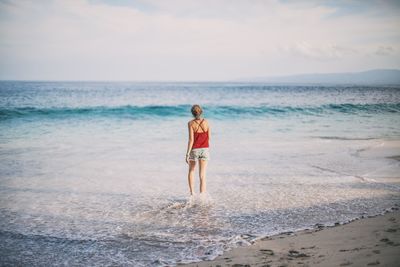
(196, 111)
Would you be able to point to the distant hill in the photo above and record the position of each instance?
(377, 76)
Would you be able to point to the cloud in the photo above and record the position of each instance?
(187, 39)
(322, 51)
(384, 50)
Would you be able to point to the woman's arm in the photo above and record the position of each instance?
(209, 132)
(191, 139)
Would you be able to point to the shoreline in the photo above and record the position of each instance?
(369, 241)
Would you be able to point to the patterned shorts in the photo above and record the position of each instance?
(199, 154)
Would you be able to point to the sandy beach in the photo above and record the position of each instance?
(372, 241)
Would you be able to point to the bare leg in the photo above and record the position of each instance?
(192, 165)
(202, 174)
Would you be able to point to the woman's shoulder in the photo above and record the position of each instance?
(191, 122)
(204, 121)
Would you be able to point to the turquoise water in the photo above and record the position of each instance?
(93, 173)
(217, 112)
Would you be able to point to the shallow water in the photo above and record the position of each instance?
(93, 173)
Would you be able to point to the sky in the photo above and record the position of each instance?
(194, 40)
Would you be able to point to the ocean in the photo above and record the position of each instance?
(94, 173)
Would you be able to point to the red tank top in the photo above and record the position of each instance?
(200, 139)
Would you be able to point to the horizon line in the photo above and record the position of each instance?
(233, 80)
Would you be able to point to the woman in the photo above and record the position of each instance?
(198, 149)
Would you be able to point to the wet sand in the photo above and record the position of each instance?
(372, 241)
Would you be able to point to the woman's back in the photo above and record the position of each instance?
(199, 125)
(200, 130)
